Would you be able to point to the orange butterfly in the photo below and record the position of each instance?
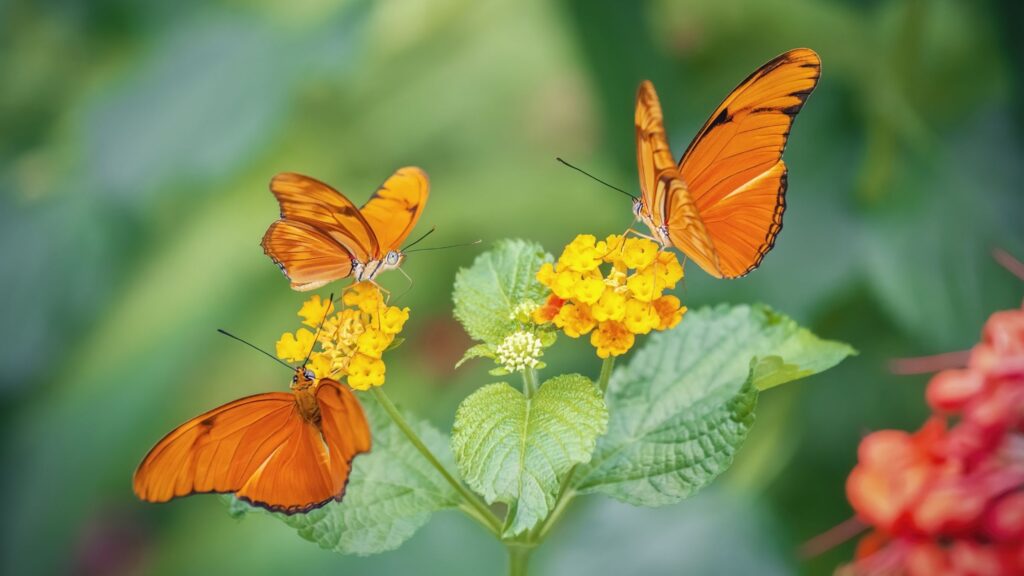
(722, 204)
(286, 452)
(322, 237)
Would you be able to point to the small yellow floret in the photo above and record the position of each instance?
(669, 269)
(589, 290)
(612, 339)
(373, 342)
(365, 372)
(314, 310)
(564, 284)
(294, 347)
(611, 306)
(670, 312)
(580, 255)
(641, 317)
(393, 319)
(645, 285)
(364, 295)
(546, 274)
(575, 320)
(638, 253)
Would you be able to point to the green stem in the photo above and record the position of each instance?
(518, 558)
(529, 382)
(564, 497)
(481, 512)
(606, 373)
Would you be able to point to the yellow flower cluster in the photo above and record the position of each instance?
(615, 306)
(352, 339)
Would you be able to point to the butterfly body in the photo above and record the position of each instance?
(722, 203)
(658, 231)
(322, 236)
(287, 452)
(368, 271)
(304, 386)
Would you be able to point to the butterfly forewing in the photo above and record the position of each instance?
(211, 452)
(395, 207)
(263, 449)
(305, 199)
(653, 156)
(733, 169)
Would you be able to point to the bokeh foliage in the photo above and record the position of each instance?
(137, 139)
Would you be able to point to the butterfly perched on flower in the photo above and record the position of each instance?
(286, 452)
(722, 203)
(322, 236)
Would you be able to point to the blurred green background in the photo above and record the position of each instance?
(137, 139)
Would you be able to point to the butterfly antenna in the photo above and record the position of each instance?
(591, 176)
(415, 242)
(256, 348)
(473, 243)
(327, 310)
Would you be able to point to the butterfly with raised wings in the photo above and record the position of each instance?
(286, 452)
(722, 203)
(322, 236)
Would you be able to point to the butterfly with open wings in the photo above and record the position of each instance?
(322, 236)
(722, 204)
(287, 452)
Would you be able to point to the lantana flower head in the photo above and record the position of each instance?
(352, 340)
(613, 289)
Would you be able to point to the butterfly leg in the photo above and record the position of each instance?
(622, 245)
(345, 290)
(383, 303)
(406, 291)
(641, 235)
(383, 290)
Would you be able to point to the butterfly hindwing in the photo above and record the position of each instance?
(307, 256)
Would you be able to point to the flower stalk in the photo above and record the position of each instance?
(518, 558)
(529, 382)
(472, 505)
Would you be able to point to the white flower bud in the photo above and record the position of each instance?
(519, 351)
(522, 311)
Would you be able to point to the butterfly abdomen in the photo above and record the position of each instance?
(305, 403)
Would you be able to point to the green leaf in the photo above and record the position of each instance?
(486, 293)
(517, 450)
(391, 493)
(478, 351)
(685, 403)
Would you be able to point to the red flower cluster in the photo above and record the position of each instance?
(949, 499)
